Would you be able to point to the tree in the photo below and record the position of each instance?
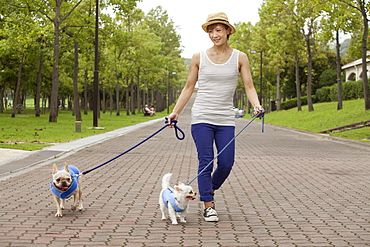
(281, 26)
(60, 15)
(308, 13)
(20, 34)
(336, 20)
(363, 7)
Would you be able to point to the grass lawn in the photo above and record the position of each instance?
(28, 132)
(326, 116)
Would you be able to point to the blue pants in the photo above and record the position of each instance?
(205, 136)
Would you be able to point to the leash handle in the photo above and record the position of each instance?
(260, 115)
(174, 122)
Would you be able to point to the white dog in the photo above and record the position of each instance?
(175, 200)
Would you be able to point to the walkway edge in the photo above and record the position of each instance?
(65, 149)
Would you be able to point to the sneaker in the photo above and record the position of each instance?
(210, 214)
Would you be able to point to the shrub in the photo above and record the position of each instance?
(293, 102)
(323, 94)
(351, 90)
(328, 78)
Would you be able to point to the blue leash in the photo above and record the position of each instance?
(260, 114)
(177, 130)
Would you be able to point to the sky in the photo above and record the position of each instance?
(188, 16)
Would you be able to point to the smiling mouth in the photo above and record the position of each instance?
(63, 188)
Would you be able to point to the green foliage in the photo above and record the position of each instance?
(328, 78)
(351, 90)
(291, 103)
(323, 94)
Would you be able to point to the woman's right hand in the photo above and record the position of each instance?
(172, 116)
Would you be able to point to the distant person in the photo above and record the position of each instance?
(147, 110)
(151, 108)
(212, 119)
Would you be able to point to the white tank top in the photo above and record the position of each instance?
(216, 87)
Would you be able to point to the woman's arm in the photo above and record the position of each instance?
(246, 75)
(188, 89)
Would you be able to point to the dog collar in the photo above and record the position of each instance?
(66, 193)
(168, 196)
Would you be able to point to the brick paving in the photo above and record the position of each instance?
(287, 188)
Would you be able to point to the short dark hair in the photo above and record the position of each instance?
(213, 25)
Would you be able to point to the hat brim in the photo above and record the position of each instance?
(205, 25)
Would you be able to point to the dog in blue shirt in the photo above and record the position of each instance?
(65, 183)
(175, 200)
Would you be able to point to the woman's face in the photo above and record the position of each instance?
(218, 33)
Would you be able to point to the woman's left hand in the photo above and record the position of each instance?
(257, 110)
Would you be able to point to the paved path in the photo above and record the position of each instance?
(287, 188)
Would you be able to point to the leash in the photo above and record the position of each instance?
(177, 130)
(260, 114)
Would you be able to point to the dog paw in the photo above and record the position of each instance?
(174, 223)
(80, 209)
(73, 208)
(183, 221)
(59, 214)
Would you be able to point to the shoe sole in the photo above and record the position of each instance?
(211, 219)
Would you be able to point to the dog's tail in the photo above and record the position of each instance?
(166, 180)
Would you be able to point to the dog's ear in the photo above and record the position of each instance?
(179, 183)
(55, 169)
(177, 188)
(66, 167)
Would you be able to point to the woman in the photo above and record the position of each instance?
(212, 120)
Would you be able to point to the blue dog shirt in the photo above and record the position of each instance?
(168, 196)
(64, 194)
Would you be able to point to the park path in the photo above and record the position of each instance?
(287, 188)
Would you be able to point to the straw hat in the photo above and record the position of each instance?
(218, 18)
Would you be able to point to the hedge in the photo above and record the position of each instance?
(293, 102)
(350, 89)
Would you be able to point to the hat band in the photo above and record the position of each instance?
(218, 20)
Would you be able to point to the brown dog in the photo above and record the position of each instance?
(64, 185)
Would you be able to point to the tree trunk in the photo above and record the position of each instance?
(38, 87)
(86, 102)
(309, 73)
(339, 70)
(55, 78)
(76, 98)
(127, 97)
(138, 100)
(278, 94)
(117, 100)
(103, 104)
(111, 100)
(17, 88)
(298, 84)
(132, 96)
(2, 100)
(364, 53)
